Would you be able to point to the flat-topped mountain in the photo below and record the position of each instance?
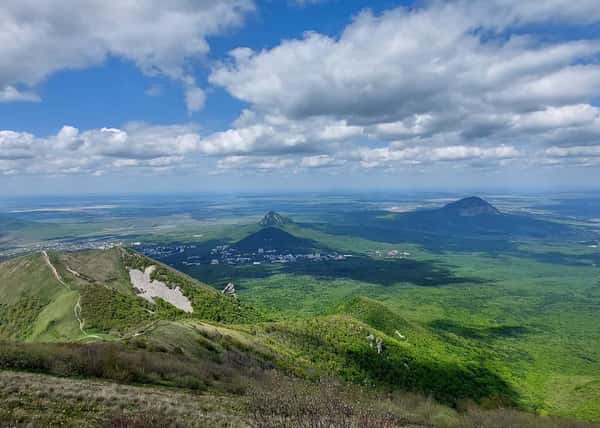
(274, 219)
(471, 206)
(471, 217)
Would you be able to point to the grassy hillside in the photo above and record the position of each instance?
(33, 303)
(75, 296)
(193, 374)
(339, 345)
(379, 316)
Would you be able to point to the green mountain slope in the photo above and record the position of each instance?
(34, 305)
(88, 294)
(342, 346)
(379, 316)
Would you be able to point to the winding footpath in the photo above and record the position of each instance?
(53, 269)
(77, 307)
(81, 321)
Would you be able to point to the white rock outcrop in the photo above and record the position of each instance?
(371, 340)
(229, 289)
(148, 288)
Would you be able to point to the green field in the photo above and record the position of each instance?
(529, 315)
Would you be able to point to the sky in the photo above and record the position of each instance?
(261, 95)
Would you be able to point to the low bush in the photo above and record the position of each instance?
(510, 418)
(284, 403)
(142, 420)
(122, 363)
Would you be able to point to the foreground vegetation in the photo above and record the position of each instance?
(191, 374)
(268, 401)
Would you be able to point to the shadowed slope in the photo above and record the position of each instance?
(273, 238)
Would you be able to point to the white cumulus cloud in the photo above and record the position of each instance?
(160, 37)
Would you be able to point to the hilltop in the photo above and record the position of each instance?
(473, 217)
(274, 219)
(272, 236)
(470, 207)
(378, 316)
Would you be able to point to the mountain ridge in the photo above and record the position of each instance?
(64, 296)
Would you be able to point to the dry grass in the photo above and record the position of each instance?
(34, 400)
(510, 418)
(127, 364)
(299, 404)
(280, 402)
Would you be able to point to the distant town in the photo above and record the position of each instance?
(192, 255)
(66, 245)
(388, 253)
(196, 254)
(229, 255)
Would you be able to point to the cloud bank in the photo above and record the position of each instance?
(468, 83)
(159, 37)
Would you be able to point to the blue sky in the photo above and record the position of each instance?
(112, 92)
(273, 95)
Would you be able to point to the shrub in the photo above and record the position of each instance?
(304, 405)
(122, 363)
(142, 420)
